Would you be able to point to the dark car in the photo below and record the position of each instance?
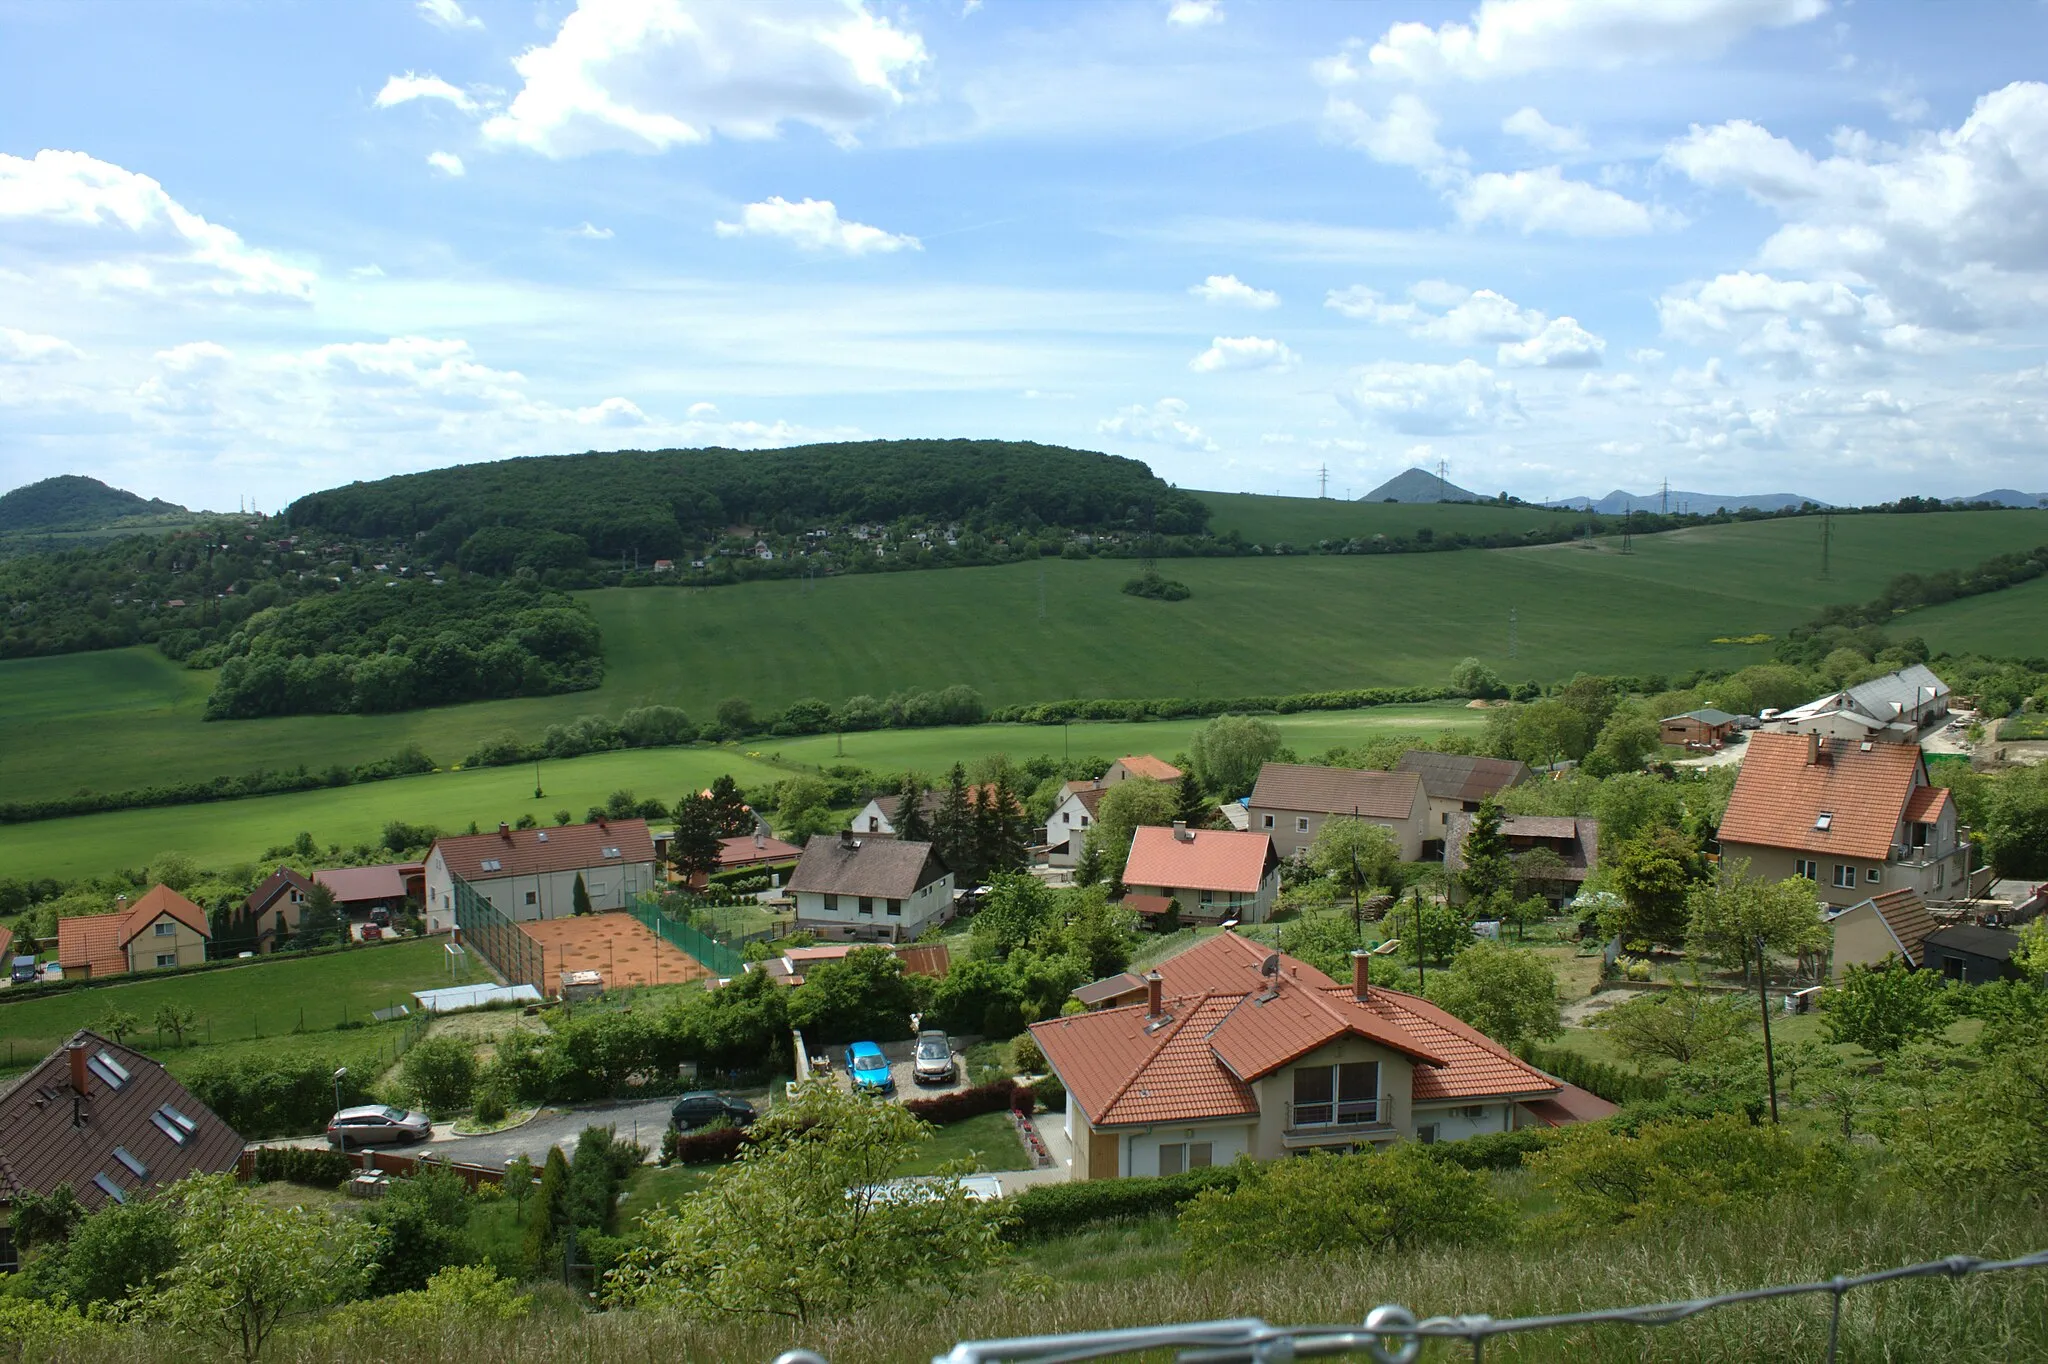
(934, 1063)
(24, 971)
(703, 1107)
(381, 917)
(378, 1125)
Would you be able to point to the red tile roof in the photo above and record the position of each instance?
(1571, 1104)
(528, 852)
(1780, 796)
(1198, 859)
(1145, 765)
(1125, 1068)
(1926, 803)
(98, 942)
(743, 851)
(1336, 791)
(1905, 915)
(277, 883)
(1148, 906)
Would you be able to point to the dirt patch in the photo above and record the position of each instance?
(1580, 1014)
(616, 946)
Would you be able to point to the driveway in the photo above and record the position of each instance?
(902, 1057)
(642, 1121)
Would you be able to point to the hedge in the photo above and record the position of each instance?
(1056, 1209)
(1494, 1150)
(275, 1099)
(702, 1148)
(944, 1109)
(407, 762)
(1611, 1083)
(300, 1165)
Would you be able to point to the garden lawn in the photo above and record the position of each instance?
(1061, 628)
(988, 1139)
(258, 1004)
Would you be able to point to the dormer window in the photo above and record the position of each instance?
(492, 864)
(1825, 818)
(611, 852)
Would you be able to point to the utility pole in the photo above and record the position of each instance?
(1512, 631)
(1322, 483)
(1443, 486)
(1628, 521)
(1664, 499)
(1763, 995)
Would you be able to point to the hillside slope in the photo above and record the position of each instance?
(74, 502)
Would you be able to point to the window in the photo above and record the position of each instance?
(874, 824)
(1336, 1094)
(1845, 876)
(1952, 968)
(111, 1072)
(492, 864)
(533, 897)
(611, 852)
(173, 1124)
(1803, 867)
(1084, 821)
(127, 1158)
(1940, 874)
(166, 959)
(832, 903)
(896, 908)
(1301, 824)
(1919, 835)
(1176, 1156)
(1872, 876)
(110, 1188)
(867, 904)
(1824, 819)
(1426, 1134)
(1066, 817)
(166, 930)
(1265, 821)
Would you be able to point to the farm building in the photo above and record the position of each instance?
(531, 874)
(1892, 709)
(1972, 955)
(1291, 801)
(1456, 782)
(161, 931)
(1574, 842)
(1704, 728)
(1138, 765)
(1236, 1050)
(107, 1121)
(882, 889)
(1215, 874)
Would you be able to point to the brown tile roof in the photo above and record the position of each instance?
(741, 851)
(1109, 987)
(354, 885)
(1581, 857)
(888, 868)
(6, 938)
(1145, 765)
(1926, 803)
(98, 942)
(157, 902)
(1906, 915)
(42, 1143)
(1780, 797)
(1336, 791)
(529, 852)
(1457, 776)
(1569, 1105)
(1198, 859)
(1197, 1065)
(277, 883)
(1148, 905)
(932, 959)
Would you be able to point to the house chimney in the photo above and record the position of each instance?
(1180, 831)
(76, 1052)
(1361, 975)
(1812, 750)
(846, 838)
(504, 831)
(760, 841)
(1155, 998)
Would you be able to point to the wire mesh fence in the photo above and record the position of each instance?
(713, 955)
(1392, 1334)
(517, 958)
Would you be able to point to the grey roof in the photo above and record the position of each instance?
(1336, 791)
(1581, 857)
(1995, 943)
(1893, 694)
(888, 868)
(1706, 715)
(1459, 776)
(1109, 987)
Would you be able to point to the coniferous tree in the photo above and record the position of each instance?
(1088, 870)
(1191, 803)
(953, 830)
(580, 896)
(730, 814)
(1488, 872)
(320, 919)
(912, 825)
(1004, 845)
(695, 848)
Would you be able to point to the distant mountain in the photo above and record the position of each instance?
(1619, 501)
(73, 502)
(1419, 485)
(2005, 497)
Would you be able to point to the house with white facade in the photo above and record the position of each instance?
(531, 873)
(1892, 709)
(878, 889)
(1237, 1050)
(1066, 828)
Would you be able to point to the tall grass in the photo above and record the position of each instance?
(1127, 1276)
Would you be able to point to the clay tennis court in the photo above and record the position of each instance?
(617, 946)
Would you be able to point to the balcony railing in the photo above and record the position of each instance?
(1351, 1113)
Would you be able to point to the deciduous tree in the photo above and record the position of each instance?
(694, 850)
(1508, 993)
(1683, 1024)
(1124, 807)
(1654, 873)
(1226, 753)
(1881, 1009)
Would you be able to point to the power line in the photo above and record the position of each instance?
(1322, 482)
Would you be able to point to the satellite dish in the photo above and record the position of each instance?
(1270, 966)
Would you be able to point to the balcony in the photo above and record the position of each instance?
(1324, 1124)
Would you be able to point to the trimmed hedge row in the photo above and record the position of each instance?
(1179, 707)
(1611, 1083)
(945, 1109)
(1056, 1209)
(702, 1148)
(300, 1165)
(1494, 1150)
(408, 761)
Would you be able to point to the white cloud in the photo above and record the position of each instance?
(612, 412)
(1646, 355)
(1369, 305)
(448, 163)
(1545, 201)
(1231, 289)
(1562, 344)
(1164, 423)
(1195, 13)
(119, 231)
(1510, 37)
(1605, 385)
(591, 232)
(646, 75)
(411, 86)
(814, 225)
(1539, 132)
(1243, 352)
(1482, 316)
(1794, 327)
(1423, 399)
(33, 348)
(1404, 136)
(447, 14)
(699, 411)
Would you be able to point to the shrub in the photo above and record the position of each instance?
(276, 1099)
(702, 1147)
(1610, 1082)
(1495, 1150)
(1055, 1209)
(314, 1168)
(1050, 1093)
(439, 1073)
(1396, 1200)
(1602, 1175)
(488, 1104)
(944, 1109)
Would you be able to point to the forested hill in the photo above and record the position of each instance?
(73, 502)
(662, 502)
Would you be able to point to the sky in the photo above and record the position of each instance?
(250, 250)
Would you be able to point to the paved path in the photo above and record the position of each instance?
(642, 1121)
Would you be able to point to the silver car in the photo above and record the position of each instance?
(934, 1063)
(378, 1125)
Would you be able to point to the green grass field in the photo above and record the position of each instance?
(2013, 622)
(1029, 632)
(1306, 521)
(228, 832)
(256, 1007)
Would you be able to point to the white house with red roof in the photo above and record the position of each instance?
(1241, 1051)
(1216, 874)
(531, 873)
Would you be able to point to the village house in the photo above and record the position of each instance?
(1214, 874)
(109, 1122)
(1456, 782)
(880, 815)
(1971, 954)
(1066, 828)
(159, 932)
(531, 873)
(1853, 817)
(1291, 801)
(275, 905)
(1892, 709)
(1236, 1050)
(387, 886)
(1575, 842)
(1138, 765)
(883, 889)
(1874, 930)
(748, 850)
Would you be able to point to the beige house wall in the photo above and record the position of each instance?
(144, 947)
(1219, 905)
(1276, 1093)
(1937, 876)
(1861, 939)
(1290, 838)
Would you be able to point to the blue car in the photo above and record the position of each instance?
(869, 1069)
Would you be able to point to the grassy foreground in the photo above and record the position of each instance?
(126, 718)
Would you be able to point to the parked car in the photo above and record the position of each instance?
(934, 1063)
(23, 971)
(868, 1069)
(378, 1125)
(702, 1107)
(381, 917)
(372, 932)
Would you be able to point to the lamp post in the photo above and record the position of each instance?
(338, 1074)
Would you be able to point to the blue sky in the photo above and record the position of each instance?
(249, 250)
